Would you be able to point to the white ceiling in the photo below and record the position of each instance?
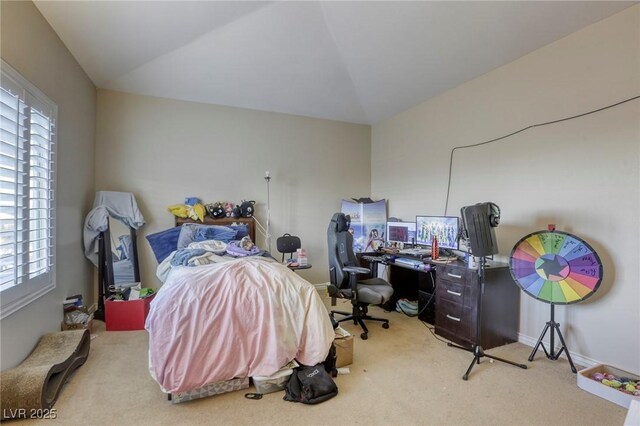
(358, 62)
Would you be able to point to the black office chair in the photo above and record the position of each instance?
(343, 271)
(288, 244)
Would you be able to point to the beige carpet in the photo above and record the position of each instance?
(400, 376)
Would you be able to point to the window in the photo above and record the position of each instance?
(27, 192)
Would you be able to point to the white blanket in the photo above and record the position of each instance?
(246, 317)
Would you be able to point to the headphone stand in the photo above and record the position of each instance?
(476, 349)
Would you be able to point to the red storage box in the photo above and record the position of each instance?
(123, 315)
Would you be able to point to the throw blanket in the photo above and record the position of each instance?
(241, 318)
(119, 205)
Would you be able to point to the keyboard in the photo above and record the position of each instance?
(372, 258)
(409, 262)
(416, 252)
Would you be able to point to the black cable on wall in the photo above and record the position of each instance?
(446, 204)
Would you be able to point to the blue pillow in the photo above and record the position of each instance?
(241, 231)
(194, 232)
(221, 233)
(164, 242)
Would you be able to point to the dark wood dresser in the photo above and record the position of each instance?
(457, 292)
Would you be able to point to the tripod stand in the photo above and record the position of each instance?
(552, 355)
(476, 349)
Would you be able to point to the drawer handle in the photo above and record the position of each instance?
(454, 275)
(453, 318)
(455, 293)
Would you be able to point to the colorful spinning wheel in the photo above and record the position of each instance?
(555, 267)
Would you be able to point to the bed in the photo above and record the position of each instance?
(233, 318)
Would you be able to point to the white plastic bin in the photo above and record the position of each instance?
(603, 391)
(274, 383)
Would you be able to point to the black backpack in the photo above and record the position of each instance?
(310, 385)
(331, 361)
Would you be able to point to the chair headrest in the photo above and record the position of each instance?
(343, 222)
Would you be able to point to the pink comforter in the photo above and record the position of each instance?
(242, 318)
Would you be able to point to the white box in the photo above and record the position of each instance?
(595, 387)
(273, 383)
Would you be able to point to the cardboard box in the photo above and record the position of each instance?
(595, 387)
(210, 390)
(125, 315)
(344, 347)
(82, 326)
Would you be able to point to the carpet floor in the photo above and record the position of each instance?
(400, 376)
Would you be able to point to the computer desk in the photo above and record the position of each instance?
(447, 298)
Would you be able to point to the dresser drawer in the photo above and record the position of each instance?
(457, 292)
(455, 322)
(451, 274)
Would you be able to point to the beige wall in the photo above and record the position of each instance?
(581, 175)
(165, 150)
(31, 47)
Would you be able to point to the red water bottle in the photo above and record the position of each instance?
(434, 248)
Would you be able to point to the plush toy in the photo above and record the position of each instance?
(197, 212)
(179, 210)
(246, 208)
(216, 209)
(236, 211)
(228, 209)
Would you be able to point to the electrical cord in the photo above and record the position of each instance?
(432, 332)
(446, 204)
(426, 305)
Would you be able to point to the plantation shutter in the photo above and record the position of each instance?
(27, 192)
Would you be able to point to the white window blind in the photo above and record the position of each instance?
(27, 192)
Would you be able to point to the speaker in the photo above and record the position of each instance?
(479, 222)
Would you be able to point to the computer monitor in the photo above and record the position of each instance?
(401, 232)
(443, 227)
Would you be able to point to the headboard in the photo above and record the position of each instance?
(225, 221)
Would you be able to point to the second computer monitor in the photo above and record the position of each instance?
(445, 228)
(401, 232)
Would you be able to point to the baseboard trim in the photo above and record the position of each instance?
(578, 359)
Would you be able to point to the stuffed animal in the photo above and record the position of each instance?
(216, 209)
(179, 210)
(228, 209)
(197, 212)
(246, 208)
(236, 212)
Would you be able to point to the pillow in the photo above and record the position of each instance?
(220, 233)
(163, 243)
(194, 232)
(242, 231)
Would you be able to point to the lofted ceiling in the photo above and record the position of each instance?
(359, 62)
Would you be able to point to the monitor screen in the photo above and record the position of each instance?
(443, 227)
(401, 232)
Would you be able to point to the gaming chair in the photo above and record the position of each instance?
(343, 271)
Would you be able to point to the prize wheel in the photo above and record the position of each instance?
(555, 267)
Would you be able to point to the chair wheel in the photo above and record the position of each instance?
(364, 336)
(385, 325)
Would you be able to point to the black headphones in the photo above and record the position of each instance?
(494, 215)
